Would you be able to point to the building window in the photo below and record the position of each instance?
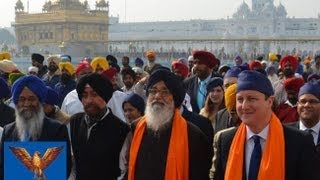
(51, 35)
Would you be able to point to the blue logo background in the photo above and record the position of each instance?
(15, 169)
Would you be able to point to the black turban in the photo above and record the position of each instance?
(101, 85)
(173, 83)
(37, 57)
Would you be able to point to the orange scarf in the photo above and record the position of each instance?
(177, 167)
(272, 164)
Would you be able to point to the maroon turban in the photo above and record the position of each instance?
(205, 58)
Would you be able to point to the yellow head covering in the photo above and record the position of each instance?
(230, 97)
(5, 55)
(68, 66)
(273, 57)
(101, 61)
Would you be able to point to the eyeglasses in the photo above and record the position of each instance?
(310, 101)
(164, 92)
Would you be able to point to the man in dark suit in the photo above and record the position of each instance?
(204, 62)
(28, 95)
(308, 108)
(261, 148)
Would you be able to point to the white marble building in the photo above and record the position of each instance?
(251, 31)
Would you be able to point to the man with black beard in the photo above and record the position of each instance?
(52, 77)
(67, 83)
(97, 135)
(289, 65)
(287, 111)
(37, 61)
(164, 144)
(28, 94)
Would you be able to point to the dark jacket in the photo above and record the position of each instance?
(154, 168)
(191, 86)
(300, 162)
(42, 71)
(51, 131)
(202, 123)
(51, 82)
(64, 89)
(98, 156)
(7, 114)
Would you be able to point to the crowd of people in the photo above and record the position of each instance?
(198, 119)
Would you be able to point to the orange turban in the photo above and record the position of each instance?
(151, 54)
(68, 66)
(101, 61)
(307, 60)
(230, 97)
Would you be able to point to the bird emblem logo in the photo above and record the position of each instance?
(36, 163)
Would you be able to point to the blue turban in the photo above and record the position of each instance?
(4, 88)
(52, 97)
(271, 68)
(244, 66)
(35, 84)
(238, 59)
(214, 82)
(233, 72)
(136, 101)
(254, 80)
(139, 61)
(313, 77)
(173, 83)
(310, 88)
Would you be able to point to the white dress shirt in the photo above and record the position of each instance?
(315, 131)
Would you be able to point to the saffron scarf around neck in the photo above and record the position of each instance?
(177, 166)
(272, 164)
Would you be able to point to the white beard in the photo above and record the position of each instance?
(158, 115)
(31, 122)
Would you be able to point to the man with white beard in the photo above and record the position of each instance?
(28, 94)
(164, 144)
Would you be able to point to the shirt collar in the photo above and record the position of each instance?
(205, 80)
(263, 134)
(289, 103)
(315, 128)
(87, 117)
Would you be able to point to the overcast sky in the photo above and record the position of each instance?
(166, 10)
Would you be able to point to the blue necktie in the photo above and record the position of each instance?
(255, 159)
(310, 132)
(201, 94)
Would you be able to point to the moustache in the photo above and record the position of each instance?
(28, 113)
